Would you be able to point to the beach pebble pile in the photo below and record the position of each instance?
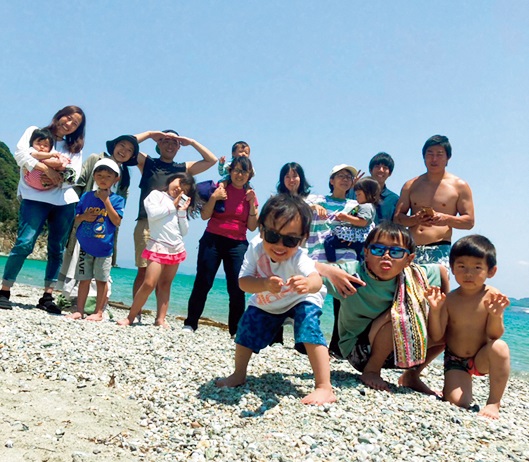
(83, 391)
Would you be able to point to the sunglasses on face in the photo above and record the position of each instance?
(273, 238)
(379, 250)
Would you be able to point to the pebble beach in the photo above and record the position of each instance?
(83, 391)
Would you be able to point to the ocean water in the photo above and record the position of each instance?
(516, 318)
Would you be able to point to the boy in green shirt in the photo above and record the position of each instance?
(384, 312)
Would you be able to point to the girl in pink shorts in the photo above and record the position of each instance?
(167, 212)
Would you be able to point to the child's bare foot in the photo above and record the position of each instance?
(75, 315)
(124, 322)
(163, 324)
(491, 411)
(95, 317)
(320, 396)
(411, 379)
(234, 380)
(373, 380)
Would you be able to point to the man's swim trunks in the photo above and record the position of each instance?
(437, 252)
(453, 362)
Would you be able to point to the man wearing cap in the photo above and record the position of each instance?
(439, 202)
(329, 211)
(154, 173)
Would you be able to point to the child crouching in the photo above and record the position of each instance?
(285, 284)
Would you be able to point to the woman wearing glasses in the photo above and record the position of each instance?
(329, 211)
(225, 241)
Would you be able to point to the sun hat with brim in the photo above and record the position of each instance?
(111, 145)
(109, 163)
(165, 131)
(349, 168)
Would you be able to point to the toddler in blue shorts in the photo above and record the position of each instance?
(285, 284)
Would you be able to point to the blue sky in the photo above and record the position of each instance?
(313, 82)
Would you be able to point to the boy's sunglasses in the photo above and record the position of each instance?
(379, 250)
(273, 238)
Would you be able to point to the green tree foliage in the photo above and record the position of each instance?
(9, 177)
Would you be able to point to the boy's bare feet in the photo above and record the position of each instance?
(234, 380)
(320, 396)
(491, 411)
(373, 380)
(95, 317)
(75, 315)
(124, 322)
(411, 379)
(163, 324)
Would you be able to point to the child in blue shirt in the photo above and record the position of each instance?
(98, 214)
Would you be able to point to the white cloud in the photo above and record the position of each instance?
(523, 262)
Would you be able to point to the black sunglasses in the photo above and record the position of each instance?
(273, 238)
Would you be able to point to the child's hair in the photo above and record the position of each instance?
(304, 186)
(285, 208)
(75, 140)
(392, 231)
(438, 140)
(42, 134)
(382, 158)
(242, 144)
(474, 245)
(370, 188)
(244, 163)
(188, 180)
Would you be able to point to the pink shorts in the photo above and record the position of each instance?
(164, 258)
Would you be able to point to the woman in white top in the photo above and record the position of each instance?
(55, 206)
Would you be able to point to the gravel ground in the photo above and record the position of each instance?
(82, 391)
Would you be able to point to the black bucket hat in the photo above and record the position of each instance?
(111, 144)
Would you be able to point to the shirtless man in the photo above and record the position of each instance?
(154, 174)
(439, 202)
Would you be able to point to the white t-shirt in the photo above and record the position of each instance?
(258, 264)
(167, 226)
(56, 196)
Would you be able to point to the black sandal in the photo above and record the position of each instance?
(47, 304)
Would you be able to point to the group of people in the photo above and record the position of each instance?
(383, 257)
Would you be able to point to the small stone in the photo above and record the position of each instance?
(9, 444)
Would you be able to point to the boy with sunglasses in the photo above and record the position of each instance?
(285, 284)
(384, 314)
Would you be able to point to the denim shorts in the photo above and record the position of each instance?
(257, 328)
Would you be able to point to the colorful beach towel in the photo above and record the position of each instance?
(409, 318)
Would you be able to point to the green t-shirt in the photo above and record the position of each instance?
(371, 300)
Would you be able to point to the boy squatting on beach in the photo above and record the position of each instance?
(98, 214)
(383, 315)
(470, 318)
(284, 283)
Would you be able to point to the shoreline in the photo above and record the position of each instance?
(95, 391)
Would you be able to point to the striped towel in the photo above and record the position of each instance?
(409, 318)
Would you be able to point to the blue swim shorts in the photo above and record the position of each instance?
(257, 328)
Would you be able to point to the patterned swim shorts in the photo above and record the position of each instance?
(434, 253)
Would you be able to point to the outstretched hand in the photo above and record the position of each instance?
(274, 284)
(344, 282)
(496, 304)
(299, 284)
(435, 297)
